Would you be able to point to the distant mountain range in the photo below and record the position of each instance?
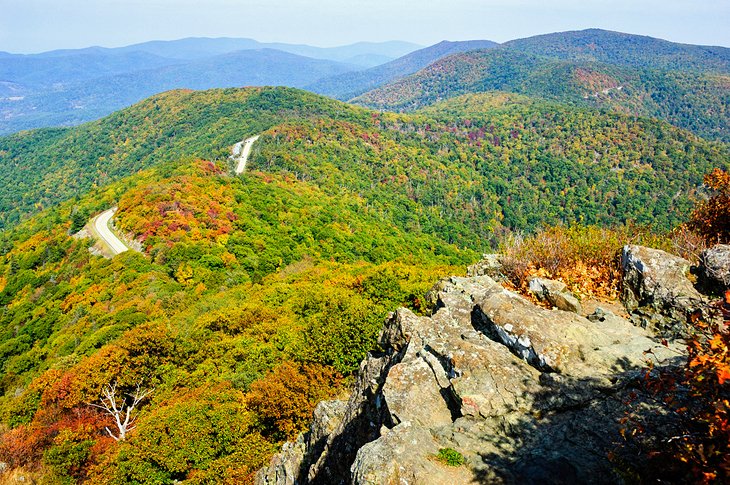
(349, 85)
(68, 87)
(686, 85)
(200, 47)
(76, 102)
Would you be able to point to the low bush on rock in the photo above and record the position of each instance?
(450, 456)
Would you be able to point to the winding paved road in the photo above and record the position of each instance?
(101, 224)
(241, 151)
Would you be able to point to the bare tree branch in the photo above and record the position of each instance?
(118, 407)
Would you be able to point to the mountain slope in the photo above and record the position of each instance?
(414, 156)
(254, 295)
(696, 101)
(48, 166)
(201, 317)
(349, 85)
(625, 49)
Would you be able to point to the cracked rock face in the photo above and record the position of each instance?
(657, 290)
(555, 293)
(525, 394)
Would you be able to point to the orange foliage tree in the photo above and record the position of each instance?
(285, 398)
(711, 218)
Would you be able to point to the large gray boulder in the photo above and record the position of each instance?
(658, 292)
(715, 268)
(525, 394)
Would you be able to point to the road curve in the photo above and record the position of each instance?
(241, 151)
(101, 224)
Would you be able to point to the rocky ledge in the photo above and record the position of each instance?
(523, 393)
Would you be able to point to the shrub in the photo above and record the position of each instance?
(67, 456)
(285, 398)
(450, 456)
(341, 327)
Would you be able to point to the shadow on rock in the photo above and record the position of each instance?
(573, 434)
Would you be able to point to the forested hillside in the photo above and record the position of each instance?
(256, 296)
(245, 284)
(509, 163)
(41, 168)
(696, 101)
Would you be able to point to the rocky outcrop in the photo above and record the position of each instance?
(657, 291)
(556, 293)
(525, 394)
(490, 265)
(291, 464)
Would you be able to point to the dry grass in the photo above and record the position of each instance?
(587, 259)
(21, 476)
(688, 244)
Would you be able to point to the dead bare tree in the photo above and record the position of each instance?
(121, 408)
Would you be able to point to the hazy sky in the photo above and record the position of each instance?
(38, 25)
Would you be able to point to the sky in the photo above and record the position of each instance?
(28, 26)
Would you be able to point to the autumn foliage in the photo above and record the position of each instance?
(286, 397)
(697, 397)
(586, 258)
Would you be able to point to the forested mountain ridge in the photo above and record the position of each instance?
(45, 167)
(349, 85)
(625, 49)
(683, 84)
(696, 101)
